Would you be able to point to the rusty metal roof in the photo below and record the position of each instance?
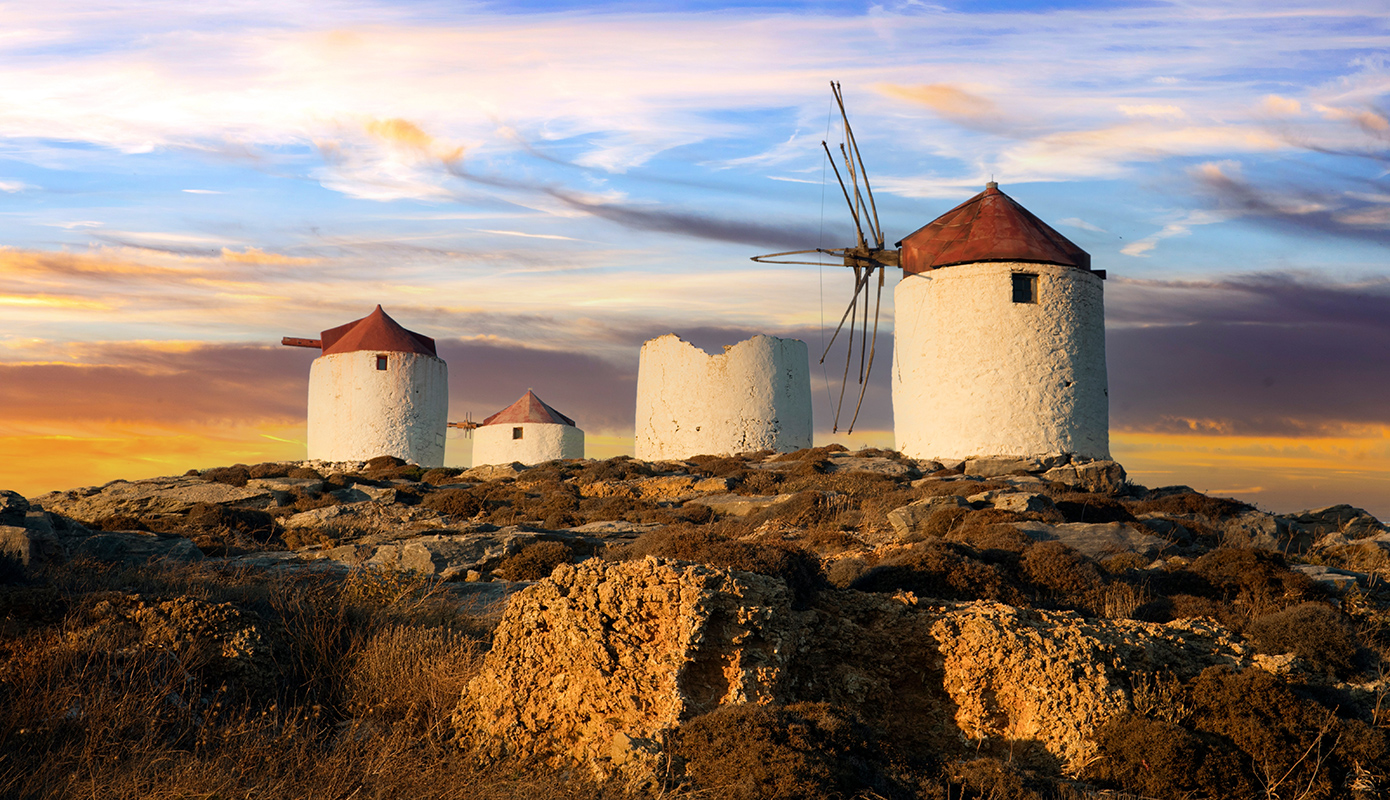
(376, 331)
(991, 226)
(529, 408)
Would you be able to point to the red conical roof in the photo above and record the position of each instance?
(376, 331)
(991, 226)
(529, 408)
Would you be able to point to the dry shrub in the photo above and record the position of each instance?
(940, 569)
(990, 779)
(118, 522)
(304, 473)
(440, 475)
(991, 540)
(382, 463)
(843, 572)
(713, 545)
(1314, 632)
(1157, 758)
(1120, 563)
(718, 466)
(1215, 508)
(1088, 507)
(618, 468)
(1291, 744)
(812, 453)
(941, 488)
(412, 674)
(755, 752)
(300, 499)
(457, 503)
(236, 475)
(306, 535)
(1254, 582)
(535, 561)
(269, 470)
(1054, 567)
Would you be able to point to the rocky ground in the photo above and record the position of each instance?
(809, 624)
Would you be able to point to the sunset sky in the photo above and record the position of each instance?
(542, 186)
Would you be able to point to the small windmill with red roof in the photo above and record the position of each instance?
(528, 431)
(376, 389)
(999, 326)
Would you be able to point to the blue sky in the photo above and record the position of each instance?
(545, 184)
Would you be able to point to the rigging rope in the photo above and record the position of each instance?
(820, 257)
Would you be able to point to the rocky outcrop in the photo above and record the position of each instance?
(599, 663)
(596, 664)
(149, 497)
(1096, 539)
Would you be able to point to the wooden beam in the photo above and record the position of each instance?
(290, 341)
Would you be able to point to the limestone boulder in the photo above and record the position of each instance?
(30, 547)
(1096, 539)
(1021, 502)
(991, 467)
(603, 660)
(148, 498)
(492, 472)
(878, 465)
(454, 555)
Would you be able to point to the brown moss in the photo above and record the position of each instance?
(1254, 582)
(1088, 507)
(304, 473)
(1157, 758)
(1215, 508)
(1054, 567)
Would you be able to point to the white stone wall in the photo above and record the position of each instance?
(976, 374)
(539, 442)
(358, 412)
(756, 395)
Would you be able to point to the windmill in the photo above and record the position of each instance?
(866, 256)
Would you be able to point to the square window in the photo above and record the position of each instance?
(381, 362)
(1025, 287)
(516, 433)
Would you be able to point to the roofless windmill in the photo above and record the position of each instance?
(999, 326)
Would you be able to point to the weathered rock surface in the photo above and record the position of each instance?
(1261, 531)
(1095, 539)
(597, 664)
(601, 654)
(673, 487)
(369, 518)
(1349, 521)
(910, 520)
(740, 505)
(1105, 477)
(133, 547)
(154, 496)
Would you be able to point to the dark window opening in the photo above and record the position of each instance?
(516, 433)
(381, 362)
(1025, 287)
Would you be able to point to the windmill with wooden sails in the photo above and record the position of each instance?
(999, 325)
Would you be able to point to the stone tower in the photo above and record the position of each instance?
(999, 338)
(377, 389)
(756, 395)
(528, 431)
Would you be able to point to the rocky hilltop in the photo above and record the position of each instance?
(818, 623)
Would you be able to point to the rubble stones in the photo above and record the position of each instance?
(1104, 477)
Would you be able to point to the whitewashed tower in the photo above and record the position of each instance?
(377, 389)
(999, 338)
(528, 431)
(756, 395)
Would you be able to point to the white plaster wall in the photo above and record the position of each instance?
(756, 395)
(976, 374)
(540, 442)
(358, 412)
